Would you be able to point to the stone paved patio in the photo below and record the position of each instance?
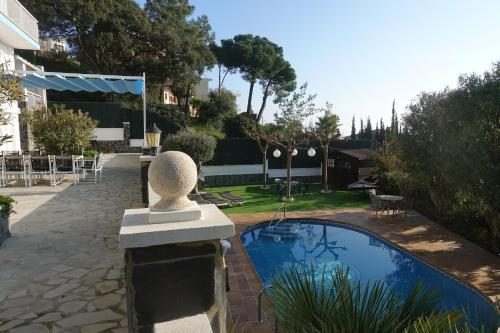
(416, 234)
(62, 269)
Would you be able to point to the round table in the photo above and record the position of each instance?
(397, 199)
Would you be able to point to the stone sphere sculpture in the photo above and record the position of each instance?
(172, 175)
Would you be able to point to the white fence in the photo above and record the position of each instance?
(108, 134)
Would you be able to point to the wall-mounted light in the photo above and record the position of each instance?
(294, 152)
(311, 152)
(276, 153)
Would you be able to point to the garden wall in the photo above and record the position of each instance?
(239, 162)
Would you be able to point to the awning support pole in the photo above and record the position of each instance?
(144, 107)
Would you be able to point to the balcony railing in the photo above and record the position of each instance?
(21, 17)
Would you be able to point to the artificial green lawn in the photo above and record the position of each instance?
(259, 200)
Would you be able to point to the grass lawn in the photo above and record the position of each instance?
(259, 200)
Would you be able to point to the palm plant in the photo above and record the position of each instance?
(307, 301)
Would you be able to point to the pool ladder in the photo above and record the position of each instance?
(277, 222)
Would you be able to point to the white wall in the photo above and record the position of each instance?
(108, 134)
(136, 142)
(12, 110)
(251, 169)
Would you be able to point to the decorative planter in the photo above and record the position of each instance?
(4, 227)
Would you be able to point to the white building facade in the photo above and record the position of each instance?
(18, 30)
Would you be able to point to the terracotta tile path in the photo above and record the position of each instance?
(416, 234)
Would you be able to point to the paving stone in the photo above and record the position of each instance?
(29, 315)
(124, 322)
(96, 328)
(120, 291)
(106, 286)
(36, 290)
(3, 296)
(91, 307)
(76, 273)
(88, 318)
(113, 274)
(18, 302)
(56, 282)
(120, 330)
(11, 313)
(61, 268)
(42, 306)
(31, 328)
(71, 307)
(11, 324)
(48, 317)
(18, 294)
(107, 301)
(59, 291)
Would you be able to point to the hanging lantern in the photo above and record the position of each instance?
(276, 153)
(311, 152)
(294, 152)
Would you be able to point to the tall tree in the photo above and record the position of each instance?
(294, 109)
(353, 129)
(326, 130)
(278, 79)
(253, 56)
(179, 46)
(361, 129)
(368, 130)
(394, 119)
(225, 63)
(105, 36)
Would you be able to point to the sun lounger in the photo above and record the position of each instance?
(231, 197)
(213, 199)
(198, 199)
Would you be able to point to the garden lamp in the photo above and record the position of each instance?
(276, 153)
(311, 152)
(153, 135)
(294, 152)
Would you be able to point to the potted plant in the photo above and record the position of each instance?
(6, 208)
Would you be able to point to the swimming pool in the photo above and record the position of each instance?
(326, 245)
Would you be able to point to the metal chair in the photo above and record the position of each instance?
(16, 167)
(68, 165)
(93, 165)
(42, 166)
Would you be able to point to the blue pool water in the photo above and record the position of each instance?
(368, 258)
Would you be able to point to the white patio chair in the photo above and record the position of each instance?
(68, 165)
(93, 165)
(16, 167)
(377, 205)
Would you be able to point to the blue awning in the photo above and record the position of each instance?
(83, 82)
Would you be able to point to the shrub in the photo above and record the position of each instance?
(238, 126)
(199, 146)
(172, 113)
(217, 108)
(6, 205)
(58, 129)
(10, 91)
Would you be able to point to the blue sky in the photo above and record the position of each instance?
(360, 55)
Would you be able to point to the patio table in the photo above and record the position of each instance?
(390, 199)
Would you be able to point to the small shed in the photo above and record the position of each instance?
(346, 166)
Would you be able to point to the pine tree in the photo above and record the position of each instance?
(368, 130)
(377, 135)
(394, 119)
(361, 129)
(382, 131)
(353, 129)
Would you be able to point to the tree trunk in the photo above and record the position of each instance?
(198, 169)
(289, 174)
(264, 100)
(249, 104)
(325, 168)
(264, 175)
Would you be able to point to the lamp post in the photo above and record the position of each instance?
(153, 135)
